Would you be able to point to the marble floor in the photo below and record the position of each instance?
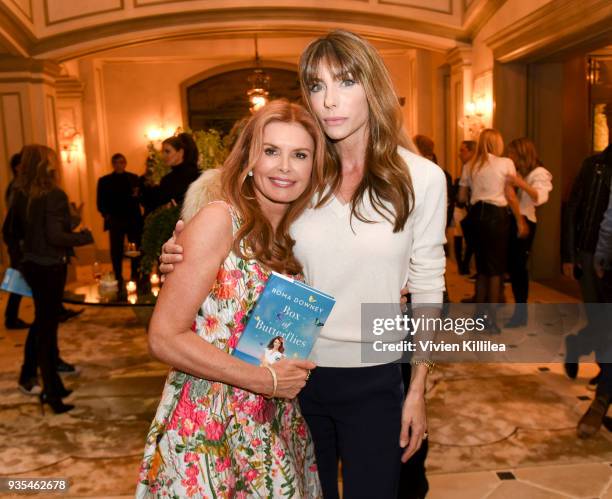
(496, 430)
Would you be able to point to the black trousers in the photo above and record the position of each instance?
(518, 255)
(118, 232)
(47, 283)
(12, 308)
(354, 416)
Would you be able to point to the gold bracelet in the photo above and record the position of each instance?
(274, 382)
(430, 364)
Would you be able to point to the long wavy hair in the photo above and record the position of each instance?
(490, 141)
(525, 153)
(386, 181)
(38, 173)
(256, 238)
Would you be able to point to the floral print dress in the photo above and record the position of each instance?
(212, 440)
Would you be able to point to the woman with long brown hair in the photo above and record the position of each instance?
(533, 182)
(378, 226)
(225, 427)
(41, 223)
(490, 199)
(180, 153)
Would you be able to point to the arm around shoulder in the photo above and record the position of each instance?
(206, 242)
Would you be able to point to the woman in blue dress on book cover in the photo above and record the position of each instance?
(225, 428)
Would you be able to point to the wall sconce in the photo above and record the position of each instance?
(593, 71)
(474, 114)
(71, 144)
(158, 133)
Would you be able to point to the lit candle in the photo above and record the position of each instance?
(154, 279)
(132, 298)
(131, 287)
(155, 291)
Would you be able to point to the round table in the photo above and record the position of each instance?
(142, 301)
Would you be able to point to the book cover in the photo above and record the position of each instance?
(284, 323)
(14, 282)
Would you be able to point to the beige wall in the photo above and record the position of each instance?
(129, 90)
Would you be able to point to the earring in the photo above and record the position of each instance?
(250, 174)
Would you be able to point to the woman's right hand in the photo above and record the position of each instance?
(291, 376)
(171, 252)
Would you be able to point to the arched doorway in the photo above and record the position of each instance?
(220, 100)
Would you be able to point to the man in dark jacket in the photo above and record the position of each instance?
(117, 201)
(585, 211)
(11, 319)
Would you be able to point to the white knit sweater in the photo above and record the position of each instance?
(368, 263)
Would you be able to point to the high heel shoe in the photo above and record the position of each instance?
(56, 405)
(65, 392)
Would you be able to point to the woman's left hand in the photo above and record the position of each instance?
(414, 424)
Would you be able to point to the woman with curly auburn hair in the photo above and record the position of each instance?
(534, 183)
(225, 427)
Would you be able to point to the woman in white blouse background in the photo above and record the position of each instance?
(491, 198)
(534, 182)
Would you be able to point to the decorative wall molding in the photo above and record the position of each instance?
(27, 13)
(480, 16)
(219, 21)
(459, 56)
(14, 36)
(11, 124)
(48, 22)
(554, 27)
(18, 64)
(68, 87)
(448, 9)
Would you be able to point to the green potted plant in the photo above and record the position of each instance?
(160, 223)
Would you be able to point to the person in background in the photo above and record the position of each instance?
(426, 147)
(485, 175)
(180, 153)
(41, 219)
(11, 319)
(533, 182)
(466, 153)
(117, 201)
(585, 210)
(592, 419)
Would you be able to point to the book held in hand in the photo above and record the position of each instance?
(284, 323)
